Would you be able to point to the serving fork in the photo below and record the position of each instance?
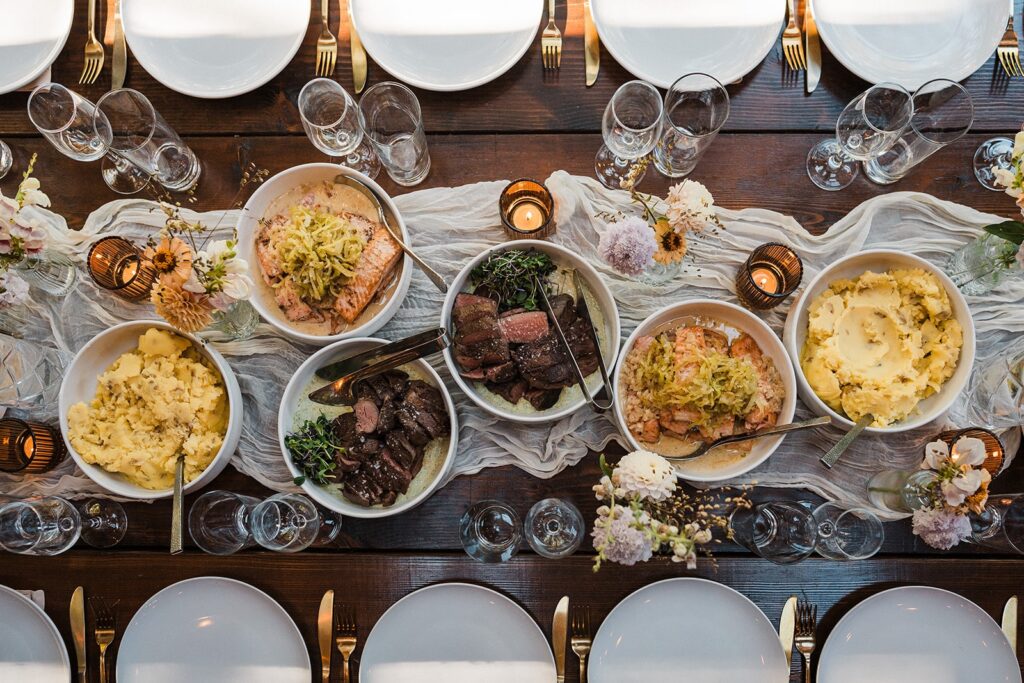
(346, 640)
(580, 639)
(326, 45)
(551, 42)
(93, 51)
(1009, 50)
(806, 620)
(103, 630)
(792, 40)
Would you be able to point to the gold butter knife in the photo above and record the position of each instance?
(324, 631)
(813, 45)
(559, 626)
(120, 65)
(591, 44)
(77, 611)
(108, 24)
(358, 54)
(787, 626)
(1010, 622)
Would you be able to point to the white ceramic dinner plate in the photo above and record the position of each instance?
(687, 629)
(456, 633)
(911, 42)
(31, 648)
(446, 44)
(212, 629)
(915, 634)
(32, 34)
(214, 48)
(661, 40)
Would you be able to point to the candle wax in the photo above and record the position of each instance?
(765, 280)
(128, 272)
(29, 446)
(527, 215)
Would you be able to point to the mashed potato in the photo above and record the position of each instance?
(881, 343)
(150, 404)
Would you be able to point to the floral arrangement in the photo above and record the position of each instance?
(960, 487)
(13, 290)
(22, 234)
(644, 512)
(1012, 181)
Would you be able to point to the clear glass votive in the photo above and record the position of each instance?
(491, 531)
(29, 447)
(527, 210)
(554, 528)
(116, 264)
(393, 123)
(771, 273)
(32, 373)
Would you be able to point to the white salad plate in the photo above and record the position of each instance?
(911, 42)
(687, 629)
(661, 40)
(214, 48)
(446, 44)
(212, 629)
(31, 648)
(32, 34)
(916, 634)
(456, 633)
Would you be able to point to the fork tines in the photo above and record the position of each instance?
(793, 41)
(806, 617)
(103, 612)
(346, 621)
(94, 54)
(1008, 51)
(580, 621)
(551, 42)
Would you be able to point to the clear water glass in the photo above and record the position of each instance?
(238, 322)
(996, 392)
(490, 531)
(69, 121)
(334, 125)
(46, 526)
(554, 528)
(631, 126)
(393, 124)
(901, 490)
(781, 532)
(983, 264)
(992, 154)
(220, 522)
(52, 272)
(30, 373)
(104, 522)
(867, 127)
(1000, 526)
(943, 113)
(696, 107)
(847, 534)
(286, 523)
(6, 159)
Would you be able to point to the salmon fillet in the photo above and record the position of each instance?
(380, 256)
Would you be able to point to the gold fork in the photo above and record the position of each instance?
(104, 630)
(806, 619)
(326, 46)
(93, 51)
(1009, 51)
(551, 41)
(580, 639)
(793, 41)
(346, 640)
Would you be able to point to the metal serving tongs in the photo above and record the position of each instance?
(347, 373)
(736, 438)
(584, 312)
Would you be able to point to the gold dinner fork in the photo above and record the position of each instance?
(580, 639)
(551, 41)
(346, 640)
(104, 630)
(326, 46)
(93, 51)
(1009, 50)
(793, 40)
(806, 619)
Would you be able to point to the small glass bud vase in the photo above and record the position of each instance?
(13, 319)
(51, 272)
(238, 322)
(980, 266)
(901, 490)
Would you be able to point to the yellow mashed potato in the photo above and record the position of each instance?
(881, 343)
(150, 404)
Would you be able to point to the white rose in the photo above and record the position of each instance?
(935, 453)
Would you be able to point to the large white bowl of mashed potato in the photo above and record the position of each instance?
(138, 394)
(881, 333)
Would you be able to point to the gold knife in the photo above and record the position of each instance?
(120, 66)
(77, 611)
(1010, 622)
(108, 24)
(787, 626)
(813, 45)
(324, 631)
(358, 54)
(558, 632)
(591, 44)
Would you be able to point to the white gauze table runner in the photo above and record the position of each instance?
(449, 226)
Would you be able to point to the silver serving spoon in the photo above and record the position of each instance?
(768, 431)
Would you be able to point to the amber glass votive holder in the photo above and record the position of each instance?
(770, 274)
(994, 452)
(527, 210)
(29, 447)
(116, 264)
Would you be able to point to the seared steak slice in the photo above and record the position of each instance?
(542, 399)
(362, 489)
(386, 417)
(365, 448)
(563, 308)
(382, 386)
(398, 381)
(544, 364)
(479, 330)
(346, 462)
(483, 353)
(468, 307)
(345, 429)
(367, 415)
(497, 374)
(510, 391)
(364, 391)
(401, 448)
(523, 328)
(411, 426)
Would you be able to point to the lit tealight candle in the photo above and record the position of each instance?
(765, 280)
(527, 215)
(129, 270)
(526, 209)
(29, 447)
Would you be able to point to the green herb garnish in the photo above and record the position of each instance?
(508, 275)
(313, 448)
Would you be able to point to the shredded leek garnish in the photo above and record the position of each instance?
(319, 252)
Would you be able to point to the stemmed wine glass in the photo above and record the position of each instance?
(104, 522)
(45, 526)
(334, 124)
(631, 126)
(867, 127)
(6, 158)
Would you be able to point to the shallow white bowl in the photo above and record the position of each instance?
(744, 321)
(598, 288)
(881, 260)
(248, 228)
(79, 386)
(290, 400)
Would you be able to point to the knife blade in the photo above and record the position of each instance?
(77, 611)
(591, 45)
(324, 631)
(787, 626)
(108, 24)
(813, 45)
(120, 64)
(347, 366)
(358, 54)
(559, 625)
(1010, 622)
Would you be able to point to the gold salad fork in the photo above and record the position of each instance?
(580, 639)
(792, 40)
(93, 51)
(104, 630)
(346, 640)
(1009, 50)
(326, 45)
(551, 41)
(806, 620)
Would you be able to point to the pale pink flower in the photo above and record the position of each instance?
(941, 528)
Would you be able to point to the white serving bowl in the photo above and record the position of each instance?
(248, 229)
(290, 401)
(879, 261)
(598, 288)
(770, 345)
(79, 386)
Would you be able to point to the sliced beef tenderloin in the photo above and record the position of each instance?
(366, 448)
(583, 348)
(510, 391)
(361, 489)
(365, 392)
(386, 419)
(346, 461)
(523, 328)
(505, 372)
(430, 409)
(367, 416)
(468, 307)
(542, 399)
(401, 447)
(563, 308)
(544, 364)
(382, 386)
(388, 474)
(345, 429)
(409, 423)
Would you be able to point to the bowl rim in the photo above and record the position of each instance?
(220, 459)
(592, 277)
(316, 492)
(968, 349)
(787, 372)
(245, 226)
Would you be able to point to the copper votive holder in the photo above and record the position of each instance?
(994, 452)
(770, 274)
(116, 264)
(29, 447)
(527, 210)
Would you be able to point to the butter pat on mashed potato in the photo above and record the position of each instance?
(150, 404)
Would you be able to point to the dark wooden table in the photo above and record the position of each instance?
(523, 124)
